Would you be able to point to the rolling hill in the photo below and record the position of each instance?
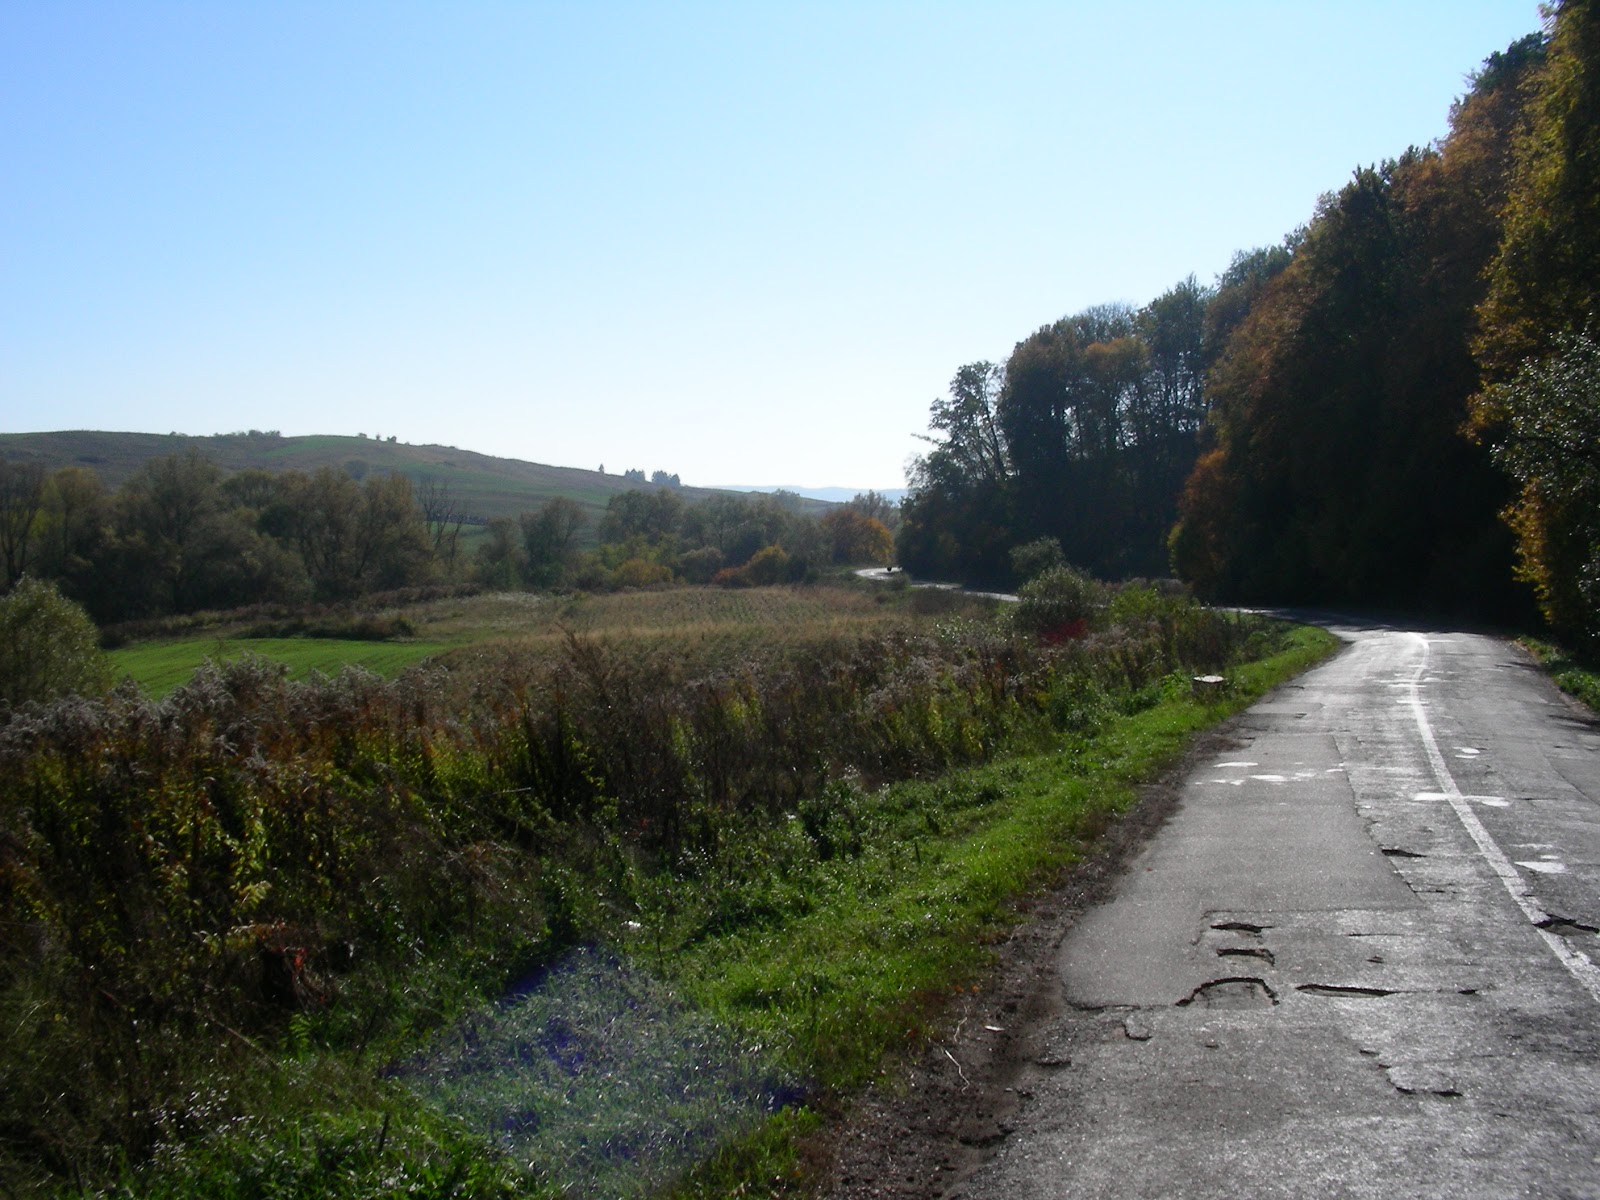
(480, 485)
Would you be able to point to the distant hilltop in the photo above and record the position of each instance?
(833, 495)
(479, 485)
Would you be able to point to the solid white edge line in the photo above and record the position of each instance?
(1576, 962)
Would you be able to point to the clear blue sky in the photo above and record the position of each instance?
(744, 242)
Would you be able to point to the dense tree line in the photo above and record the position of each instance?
(180, 536)
(1396, 406)
(1084, 435)
(1336, 469)
(654, 537)
(1540, 413)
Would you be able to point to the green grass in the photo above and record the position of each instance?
(1572, 676)
(871, 968)
(158, 667)
(731, 983)
(703, 624)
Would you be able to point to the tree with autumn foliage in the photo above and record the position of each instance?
(854, 538)
(1335, 469)
(1541, 412)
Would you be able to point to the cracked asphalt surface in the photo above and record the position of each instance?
(1357, 959)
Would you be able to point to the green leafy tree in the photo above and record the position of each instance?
(1032, 559)
(21, 499)
(1548, 439)
(549, 540)
(654, 514)
(877, 506)
(500, 556)
(1538, 319)
(75, 537)
(957, 521)
(352, 538)
(48, 646)
(179, 547)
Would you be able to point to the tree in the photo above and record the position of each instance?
(549, 539)
(653, 515)
(877, 506)
(169, 514)
(956, 522)
(1536, 345)
(725, 522)
(1032, 559)
(853, 538)
(75, 537)
(1078, 419)
(352, 538)
(973, 445)
(21, 497)
(1336, 470)
(1236, 292)
(1545, 279)
(48, 646)
(442, 518)
(1548, 439)
(499, 555)
(393, 544)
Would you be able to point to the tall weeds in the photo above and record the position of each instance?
(186, 886)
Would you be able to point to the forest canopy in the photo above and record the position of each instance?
(1394, 407)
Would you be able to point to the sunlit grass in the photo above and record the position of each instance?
(870, 970)
(706, 624)
(158, 667)
(759, 918)
(1576, 678)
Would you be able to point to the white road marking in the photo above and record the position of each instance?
(1575, 961)
(1544, 867)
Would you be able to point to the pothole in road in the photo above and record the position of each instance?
(1260, 952)
(1234, 992)
(1239, 927)
(1396, 852)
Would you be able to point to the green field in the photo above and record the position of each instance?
(158, 667)
(706, 625)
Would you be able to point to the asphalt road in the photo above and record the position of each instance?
(1359, 960)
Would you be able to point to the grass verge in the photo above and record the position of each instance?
(1571, 675)
(870, 970)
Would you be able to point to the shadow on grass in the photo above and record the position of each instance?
(598, 1079)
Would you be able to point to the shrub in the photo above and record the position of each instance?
(48, 646)
(1059, 603)
(639, 573)
(771, 565)
(1032, 559)
(700, 566)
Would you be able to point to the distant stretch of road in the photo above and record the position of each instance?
(1360, 959)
